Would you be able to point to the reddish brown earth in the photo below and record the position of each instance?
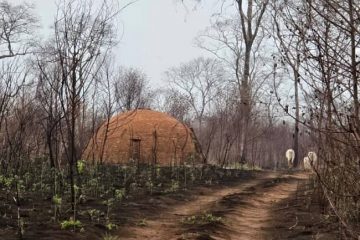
(271, 206)
(263, 205)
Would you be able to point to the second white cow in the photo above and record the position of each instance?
(310, 161)
(290, 156)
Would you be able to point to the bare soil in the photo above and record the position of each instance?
(271, 206)
(262, 205)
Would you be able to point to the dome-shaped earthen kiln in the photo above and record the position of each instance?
(144, 136)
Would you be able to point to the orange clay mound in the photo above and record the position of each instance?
(143, 136)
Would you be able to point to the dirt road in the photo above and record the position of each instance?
(243, 211)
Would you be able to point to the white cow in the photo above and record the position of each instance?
(290, 156)
(310, 161)
(307, 165)
(313, 158)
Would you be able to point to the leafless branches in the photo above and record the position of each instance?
(132, 90)
(17, 25)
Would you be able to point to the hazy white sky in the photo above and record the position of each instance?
(157, 34)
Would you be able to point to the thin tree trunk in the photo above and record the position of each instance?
(245, 104)
(297, 115)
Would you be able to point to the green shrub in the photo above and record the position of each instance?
(109, 237)
(57, 200)
(203, 219)
(71, 223)
(120, 194)
(174, 187)
(80, 166)
(111, 226)
(142, 223)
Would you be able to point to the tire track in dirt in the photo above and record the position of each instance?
(226, 202)
(248, 215)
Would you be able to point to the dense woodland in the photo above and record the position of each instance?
(283, 74)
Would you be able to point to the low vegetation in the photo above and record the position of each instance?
(99, 192)
(202, 219)
(283, 74)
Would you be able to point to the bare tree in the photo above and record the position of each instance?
(198, 80)
(326, 45)
(17, 25)
(105, 80)
(241, 37)
(47, 95)
(82, 35)
(289, 46)
(250, 25)
(132, 90)
(176, 104)
(13, 78)
(225, 117)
